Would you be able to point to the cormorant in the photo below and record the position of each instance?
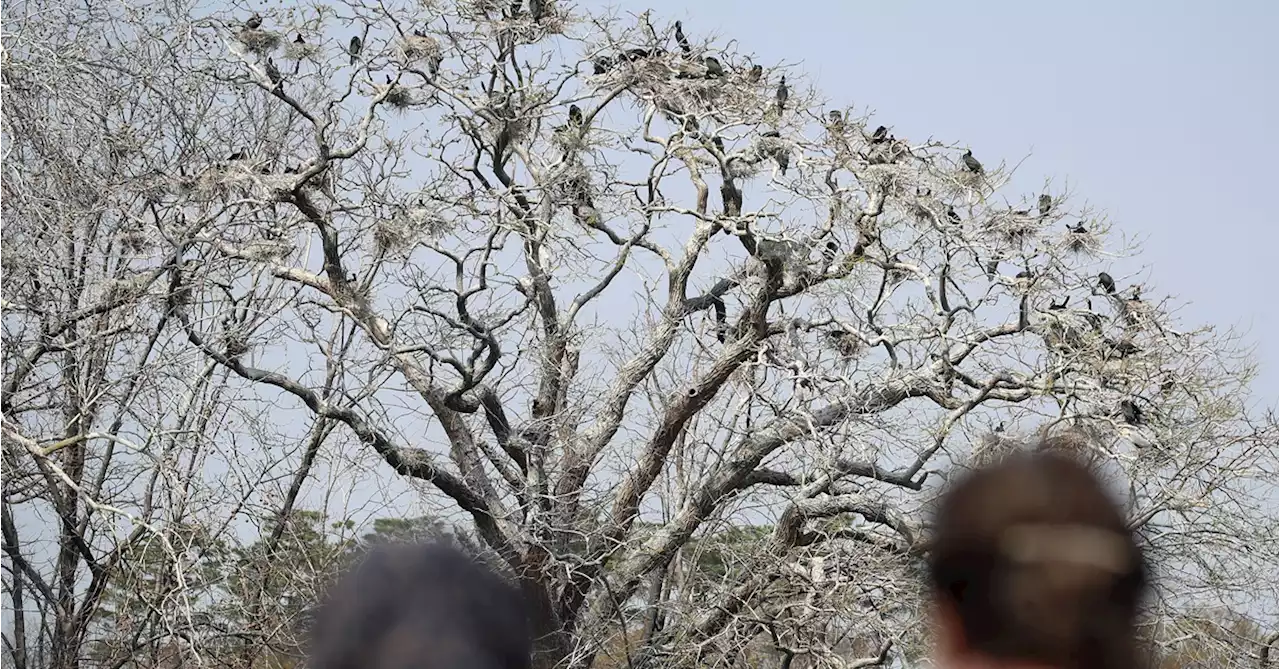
(1078, 228)
(254, 22)
(299, 40)
(1046, 204)
(829, 252)
(354, 48)
(770, 133)
(836, 119)
(782, 94)
(714, 69)
(388, 80)
(635, 54)
(273, 73)
(682, 40)
(755, 73)
(722, 326)
(575, 116)
(601, 64)
(1054, 306)
(1107, 283)
(952, 215)
(1131, 412)
(784, 160)
(881, 134)
(970, 162)
(238, 155)
(516, 6)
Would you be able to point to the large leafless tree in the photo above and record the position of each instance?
(604, 285)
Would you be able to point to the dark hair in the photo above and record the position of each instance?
(1039, 565)
(421, 607)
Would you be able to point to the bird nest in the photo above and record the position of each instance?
(1012, 226)
(260, 42)
(1081, 242)
(418, 48)
(847, 344)
(267, 250)
(399, 97)
(296, 51)
(135, 241)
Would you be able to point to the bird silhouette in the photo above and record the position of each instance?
(971, 163)
(1131, 412)
(714, 69)
(952, 215)
(1054, 306)
(682, 40)
(829, 252)
(1107, 283)
(1077, 229)
(782, 94)
(754, 74)
(418, 33)
(273, 73)
(254, 22)
(240, 154)
(880, 135)
(836, 120)
(354, 48)
(575, 116)
(1046, 204)
(601, 64)
(299, 40)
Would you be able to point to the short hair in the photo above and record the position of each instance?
(1039, 565)
(425, 606)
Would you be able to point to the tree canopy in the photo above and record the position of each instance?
(687, 348)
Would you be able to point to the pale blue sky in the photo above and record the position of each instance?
(1163, 114)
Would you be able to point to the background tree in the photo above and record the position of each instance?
(688, 351)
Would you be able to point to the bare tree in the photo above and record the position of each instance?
(639, 290)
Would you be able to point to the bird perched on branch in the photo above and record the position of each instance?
(970, 162)
(575, 116)
(881, 134)
(273, 73)
(714, 69)
(754, 74)
(299, 40)
(1107, 283)
(1046, 204)
(682, 40)
(354, 48)
(782, 94)
(254, 22)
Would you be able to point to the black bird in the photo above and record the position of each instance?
(718, 143)
(515, 7)
(1078, 228)
(601, 64)
(238, 155)
(1131, 412)
(635, 54)
(881, 134)
(1054, 306)
(354, 48)
(575, 116)
(273, 73)
(1123, 348)
(784, 160)
(714, 69)
(770, 133)
(722, 326)
(836, 119)
(1107, 283)
(1024, 274)
(971, 163)
(254, 22)
(1167, 384)
(388, 80)
(952, 215)
(299, 40)
(755, 73)
(829, 252)
(682, 40)
(418, 33)
(1046, 204)
(992, 268)
(782, 94)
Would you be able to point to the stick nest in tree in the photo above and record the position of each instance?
(261, 42)
(419, 48)
(295, 51)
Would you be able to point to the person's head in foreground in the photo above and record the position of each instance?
(1033, 566)
(421, 607)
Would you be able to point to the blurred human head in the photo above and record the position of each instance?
(421, 607)
(1033, 565)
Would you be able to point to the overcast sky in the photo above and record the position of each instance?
(1163, 114)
